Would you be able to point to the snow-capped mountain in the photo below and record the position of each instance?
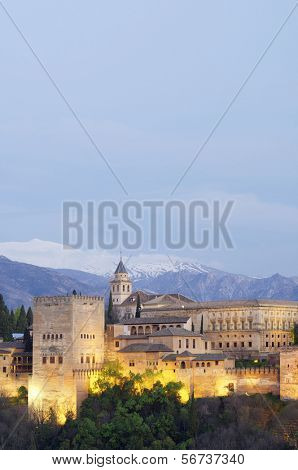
(45, 268)
(56, 256)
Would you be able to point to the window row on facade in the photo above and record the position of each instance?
(52, 336)
(87, 359)
(87, 336)
(125, 288)
(147, 330)
(52, 359)
(235, 344)
(231, 326)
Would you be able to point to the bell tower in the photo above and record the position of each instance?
(120, 284)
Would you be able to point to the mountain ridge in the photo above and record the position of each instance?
(19, 282)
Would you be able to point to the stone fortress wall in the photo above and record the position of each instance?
(68, 333)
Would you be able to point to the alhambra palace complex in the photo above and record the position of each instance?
(195, 343)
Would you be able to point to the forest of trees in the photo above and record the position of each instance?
(14, 321)
(124, 414)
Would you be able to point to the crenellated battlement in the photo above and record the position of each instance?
(66, 299)
(253, 371)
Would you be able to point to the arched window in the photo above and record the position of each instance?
(140, 330)
(208, 364)
(197, 364)
(133, 330)
(163, 327)
(203, 364)
(183, 365)
(147, 330)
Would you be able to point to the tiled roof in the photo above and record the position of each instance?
(132, 299)
(154, 320)
(22, 353)
(175, 332)
(175, 299)
(131, 337)
(4, 351)
(186, 354)
(226, 304)
(195, 357)
(145, 347)
(12, 345)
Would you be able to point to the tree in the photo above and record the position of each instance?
(28, 341)
(202, 325)
(109, 315)
(12, 320)
(139, 308)
(22, 321)
(5, 321)
(29, 316)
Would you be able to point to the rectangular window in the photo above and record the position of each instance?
(4, 369)
(212, 345)
(82, 359)
(242, 344)
(220, 345)
(44, 360)
(52, 360)
(235, 345)
(131, 363)
(43, 336)
(87, 360)
(180, 343)
(60, 360)
(61, 336)
(93, 359)
(228, 345)
(206, 346)
(216, 363)
(193, 343)
(187, 343)
(272, 344)
(116, 344)
(267, 344)
(250, 344)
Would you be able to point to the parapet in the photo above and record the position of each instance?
(66, 299)
(253, 371)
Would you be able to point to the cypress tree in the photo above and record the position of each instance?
(29, 316)
(12, 320)
(202, 325)
(22, 321)
(139, 308)
(5, 323)
(109, 316)
(28, 341)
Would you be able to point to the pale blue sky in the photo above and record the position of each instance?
(149, 79)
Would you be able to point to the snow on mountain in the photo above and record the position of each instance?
(55, 255)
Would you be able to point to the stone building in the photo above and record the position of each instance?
(245, 328)
(125, 300)
(194, 343)
(68, 334)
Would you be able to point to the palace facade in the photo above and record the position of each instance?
(176, 339)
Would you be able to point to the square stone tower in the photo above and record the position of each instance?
(68, 334)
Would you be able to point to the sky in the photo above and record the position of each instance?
(148, 81)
